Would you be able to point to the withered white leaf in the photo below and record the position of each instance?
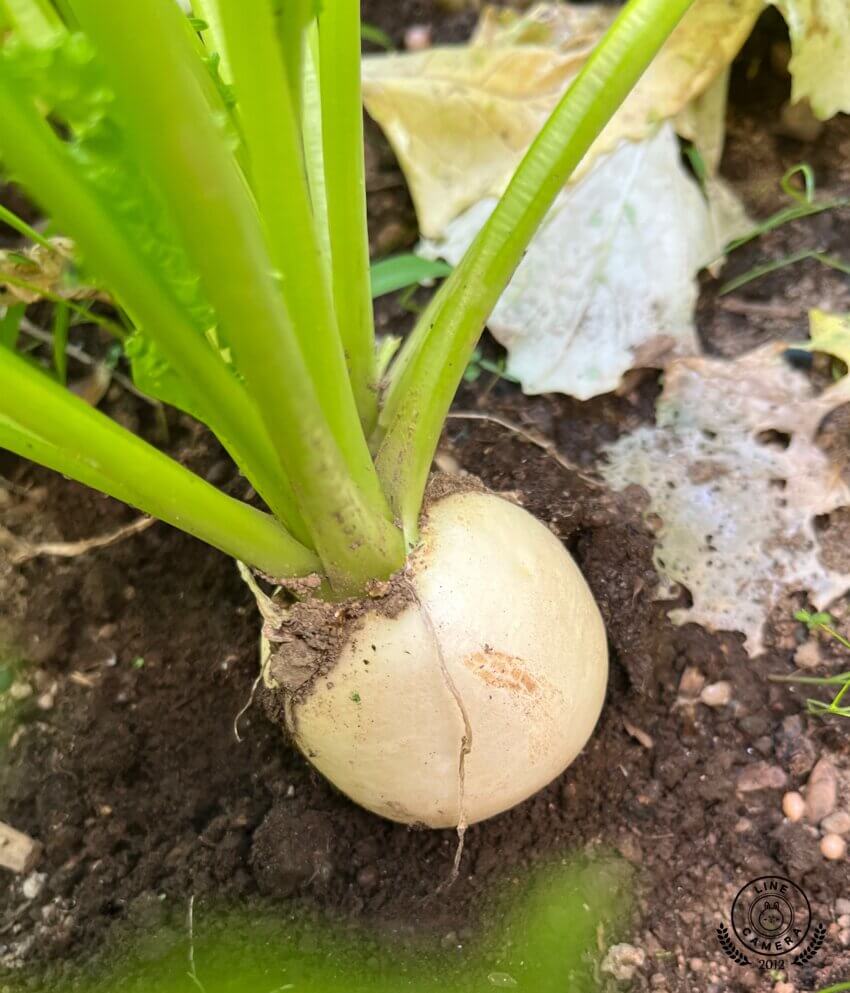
(608, 282)
(735, 476)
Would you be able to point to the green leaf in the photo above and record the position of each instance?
(375, 36)
(66, 80)
(155, 377)
(813, 620)
(399, 271)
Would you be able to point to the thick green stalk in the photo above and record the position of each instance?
(345, 184)
(64, 10)
(34, 153)
(209, 11)
(180, 145)
(41, 420)
(293, 19)
(35, 21)
(434, 359)
(314, 153)
(277, 176)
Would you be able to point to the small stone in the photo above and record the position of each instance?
(46, 701)
(286, 855)
(843, 921)
(219, 471)
(33, 885)
(391, 237)
(695, 964)
(761, 776)
(837, 822)
(794, 749)
(844, 937)
(622, 961)
(833, 847)
(658, 980)
(808, 655)
(821, 791)
(716, 694)
(639, 734)
(417, 37)
(630, 849)
(842, 905)
(692, 682)
(368, 878)
(796, 120)
(784, 988)
(796, 847)
(20, 690)
(446, 462)
(793, 806)
(764, 745)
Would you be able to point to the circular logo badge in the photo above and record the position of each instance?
(771, 915)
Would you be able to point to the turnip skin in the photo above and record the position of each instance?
(501, 638)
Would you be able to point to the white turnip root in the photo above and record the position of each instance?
(475, 693)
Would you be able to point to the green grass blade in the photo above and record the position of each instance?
(41, 420)
(400, 271)
(16, 223)
(180, 145)
(766, 268)
(345, 182)
(435, 357)
(376, 36)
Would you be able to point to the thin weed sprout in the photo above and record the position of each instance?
(823, 621)
(803, 204)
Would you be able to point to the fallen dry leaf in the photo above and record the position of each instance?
(44, 272)
(735, 476)
(820, 52)
(608, 282)
(460, 118)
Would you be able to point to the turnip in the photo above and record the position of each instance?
(445, 702)
(438, 662)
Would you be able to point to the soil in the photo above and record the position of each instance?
(123, 761)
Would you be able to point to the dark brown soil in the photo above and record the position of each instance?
(125, 765)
